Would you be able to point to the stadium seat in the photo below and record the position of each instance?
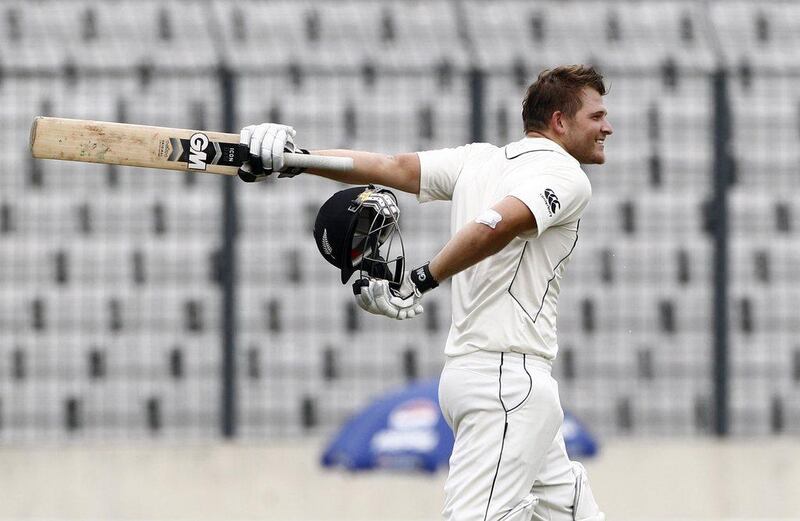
(316, 34)
(765, 31)
(111, 312)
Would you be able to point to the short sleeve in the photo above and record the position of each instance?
(439, 171)
(554, 198)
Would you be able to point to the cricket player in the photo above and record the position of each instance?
(514, 222)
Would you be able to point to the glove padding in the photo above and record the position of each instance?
(383, 203)
(378, 298)
(267, 143)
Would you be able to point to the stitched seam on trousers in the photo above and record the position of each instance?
(576, 498)
(503, 441)
(512, 510)
(530, 385)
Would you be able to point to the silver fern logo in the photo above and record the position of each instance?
(326, 246)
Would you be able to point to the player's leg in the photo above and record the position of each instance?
(504, 412)
(562, 489)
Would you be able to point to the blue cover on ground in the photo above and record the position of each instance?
(406, 430)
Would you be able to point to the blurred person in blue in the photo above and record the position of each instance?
(515, 216)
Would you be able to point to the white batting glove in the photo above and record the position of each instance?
(384, 204)
(378, 298)
(365, 299)
(267, 143)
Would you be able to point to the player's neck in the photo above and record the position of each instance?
(545, 134)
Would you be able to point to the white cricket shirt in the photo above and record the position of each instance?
(508, 301)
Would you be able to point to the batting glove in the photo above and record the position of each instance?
(384, 203)
(378, 297)
(266, 144)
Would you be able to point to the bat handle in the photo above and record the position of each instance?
(340, 164)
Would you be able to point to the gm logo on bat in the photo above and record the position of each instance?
(197, 155)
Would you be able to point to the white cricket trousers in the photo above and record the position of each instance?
(506, 415)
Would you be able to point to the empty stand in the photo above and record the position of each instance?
(111, 308)
(766, 32)
(324, 34)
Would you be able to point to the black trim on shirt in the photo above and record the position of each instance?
(521, 256)
(505, 151)
(548, 282)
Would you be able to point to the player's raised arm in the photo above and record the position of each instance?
(399, 171)
(489, 233)
(268, 142)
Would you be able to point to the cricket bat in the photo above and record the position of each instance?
(153, 147)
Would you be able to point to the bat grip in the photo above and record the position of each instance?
(340, 164)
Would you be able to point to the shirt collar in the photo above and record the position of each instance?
(535, 144)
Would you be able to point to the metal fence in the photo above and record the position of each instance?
(138, 303)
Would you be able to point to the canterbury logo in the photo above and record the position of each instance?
(326, 246)
(552, 200)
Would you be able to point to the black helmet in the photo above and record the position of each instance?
(355, 230)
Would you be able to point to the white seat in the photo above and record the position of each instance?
(771, 311)
(753, 212)
(349, 33)
(665, 410)
(736, 28)
(783, 257)
(192, 216)
(640, 264)
(318, 120)
(507, 25)
(684, 358)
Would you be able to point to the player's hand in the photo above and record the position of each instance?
(377, 297)
(384, 204)
(267, 143)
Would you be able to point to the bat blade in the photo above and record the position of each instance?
(135, 145)
(152, 147)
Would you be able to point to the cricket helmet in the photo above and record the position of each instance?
(358, 229)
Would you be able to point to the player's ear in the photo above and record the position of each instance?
(558, 122)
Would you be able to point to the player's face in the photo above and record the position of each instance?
(586, 132)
